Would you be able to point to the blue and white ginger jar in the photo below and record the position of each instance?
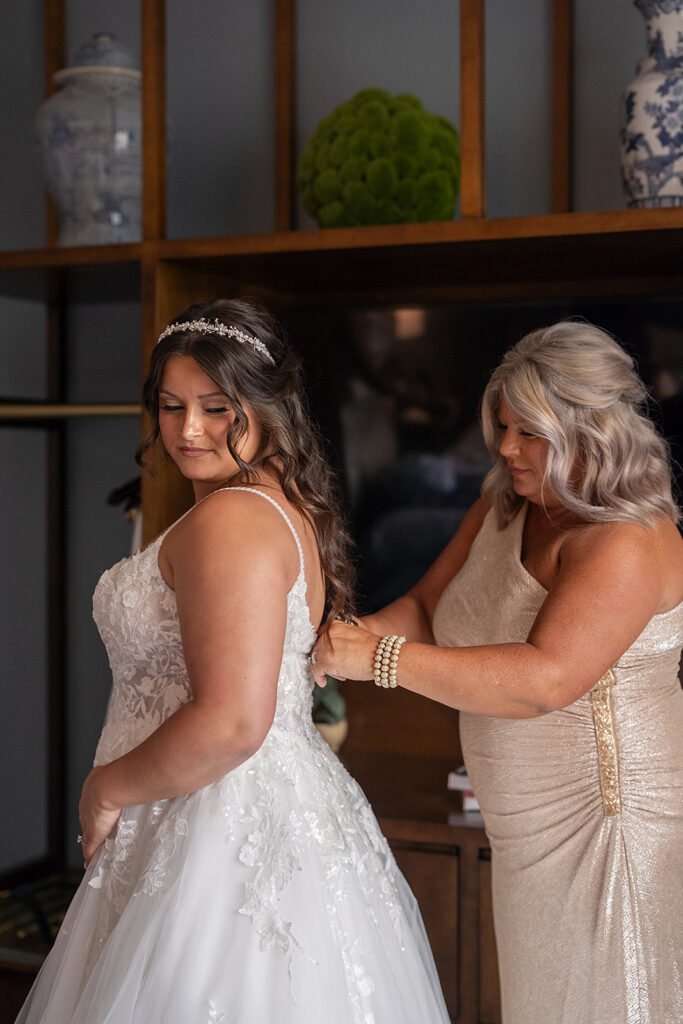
(90, 140)
(652, 112)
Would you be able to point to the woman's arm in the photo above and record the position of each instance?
(231, 591)
(412, 614)
(608, 587)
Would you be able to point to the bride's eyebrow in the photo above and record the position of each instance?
(211, 394)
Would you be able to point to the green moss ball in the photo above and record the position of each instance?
(380, 159)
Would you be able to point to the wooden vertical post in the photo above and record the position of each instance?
(285, 114)
(153, 39)
(563, 39)
(56, 571)
(165, 290)
(472, 106)
(54, 60)
(468, 926)
(153, 47)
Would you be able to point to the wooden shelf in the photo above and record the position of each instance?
(31, 411)
(470, 229)
(619, 252)
(69, 256)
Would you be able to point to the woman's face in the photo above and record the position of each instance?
(194, 419)
(525, 454)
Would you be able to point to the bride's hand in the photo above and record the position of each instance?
(97, 821)
(346, 651)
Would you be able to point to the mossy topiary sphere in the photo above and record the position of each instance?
(380, 159)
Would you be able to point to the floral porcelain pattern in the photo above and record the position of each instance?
(89, 137)
(290, 796)
(651, 131)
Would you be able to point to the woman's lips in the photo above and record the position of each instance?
(515, 470)
(193, 453)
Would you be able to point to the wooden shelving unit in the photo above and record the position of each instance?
(642, 245)
(560, 255)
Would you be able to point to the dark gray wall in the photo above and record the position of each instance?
(23, 646)
(220, 109)
(22, 210)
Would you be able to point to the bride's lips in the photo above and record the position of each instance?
(194, 453)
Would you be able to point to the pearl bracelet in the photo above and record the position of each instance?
(386, 659)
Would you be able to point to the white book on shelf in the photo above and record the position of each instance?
(459, 779)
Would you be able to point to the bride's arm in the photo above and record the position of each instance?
(231, 591)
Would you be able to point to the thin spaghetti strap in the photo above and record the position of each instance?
(295, 535)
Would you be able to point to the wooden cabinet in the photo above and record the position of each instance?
(448, 869)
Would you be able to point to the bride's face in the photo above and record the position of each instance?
(194, 419)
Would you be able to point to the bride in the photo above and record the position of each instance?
(235, 873)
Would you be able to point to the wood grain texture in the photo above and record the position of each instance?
(153, 42)
(472, 110)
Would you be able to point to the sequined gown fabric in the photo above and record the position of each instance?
(268, 897)
(583, 809)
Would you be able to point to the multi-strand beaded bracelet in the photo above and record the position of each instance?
(386, 659)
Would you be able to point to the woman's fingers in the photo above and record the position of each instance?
(345, 652)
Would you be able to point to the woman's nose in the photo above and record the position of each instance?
(508, 445)
(191, 424)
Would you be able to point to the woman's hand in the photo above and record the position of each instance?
(97, 820)
(346, 651)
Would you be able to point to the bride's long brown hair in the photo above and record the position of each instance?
(290, 446)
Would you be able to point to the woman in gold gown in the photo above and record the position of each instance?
(554, 621)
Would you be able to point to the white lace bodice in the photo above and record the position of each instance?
(135, 612)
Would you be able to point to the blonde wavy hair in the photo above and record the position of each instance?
(573, 385)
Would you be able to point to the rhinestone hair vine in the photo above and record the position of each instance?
(216, 327)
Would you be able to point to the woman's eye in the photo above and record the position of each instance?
(526, 433)
(218, 410)
(170, 408)
(502, 427)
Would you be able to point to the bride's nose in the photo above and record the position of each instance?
(192, 426)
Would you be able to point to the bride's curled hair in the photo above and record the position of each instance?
(573, 385)
(272, 385)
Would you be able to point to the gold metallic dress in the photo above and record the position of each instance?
(583, 809)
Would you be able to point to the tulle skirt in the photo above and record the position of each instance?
(248, 902)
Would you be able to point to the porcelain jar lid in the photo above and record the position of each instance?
(103, 54)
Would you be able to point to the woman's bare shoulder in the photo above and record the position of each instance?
(635, 554)
(237, 507)
(231, 526)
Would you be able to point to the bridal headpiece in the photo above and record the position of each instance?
(216, 327)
